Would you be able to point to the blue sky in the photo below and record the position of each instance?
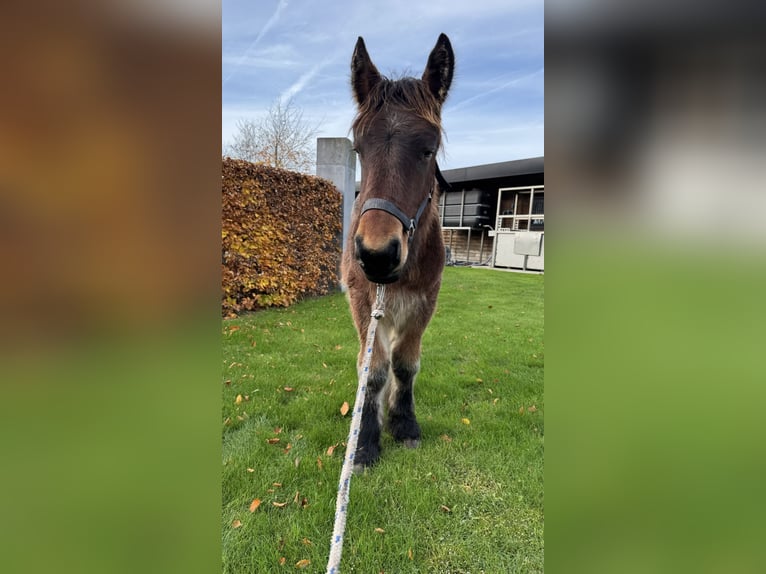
(302, 49)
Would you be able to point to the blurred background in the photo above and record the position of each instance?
(110, 291)
(655, 133)
(657, 116)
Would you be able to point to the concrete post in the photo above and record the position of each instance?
(336, 161)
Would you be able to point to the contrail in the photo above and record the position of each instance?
(301, 83)
(503, 86)
(273, 20)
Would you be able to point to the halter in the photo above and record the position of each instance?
(410, 224)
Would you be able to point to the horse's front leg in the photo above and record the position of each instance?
(405, 363)
(368, 447)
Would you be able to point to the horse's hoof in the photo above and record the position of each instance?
(411, 442)
(359, 469)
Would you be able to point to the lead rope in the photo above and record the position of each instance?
(341, 504)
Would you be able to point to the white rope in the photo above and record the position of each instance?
(341, 504)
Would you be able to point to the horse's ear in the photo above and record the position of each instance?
(364, 74)
(440, 67)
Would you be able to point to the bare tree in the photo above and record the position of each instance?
(282, 139)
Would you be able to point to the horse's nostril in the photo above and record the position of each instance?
(378, 263)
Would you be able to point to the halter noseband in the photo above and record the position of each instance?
(410, 224)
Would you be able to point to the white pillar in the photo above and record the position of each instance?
(336, 161)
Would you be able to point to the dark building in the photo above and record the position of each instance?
(495, 214)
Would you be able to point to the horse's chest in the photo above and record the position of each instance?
(403, 309)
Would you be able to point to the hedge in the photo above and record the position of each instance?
(281, 236)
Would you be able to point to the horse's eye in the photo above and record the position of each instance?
(428, 154)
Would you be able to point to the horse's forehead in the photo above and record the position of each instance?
(399, 121)
(393, 122)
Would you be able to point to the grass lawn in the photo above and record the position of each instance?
(469, 500)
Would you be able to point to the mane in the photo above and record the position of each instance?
(409, 93)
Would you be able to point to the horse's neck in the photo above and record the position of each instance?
(426, 258)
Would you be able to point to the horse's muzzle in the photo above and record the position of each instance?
(379, 265)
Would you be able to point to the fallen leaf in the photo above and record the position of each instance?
(307, 542)
(287, 448)
(338, 347)
(227, 382)
(277, 484)
(521, 410)
(233, 328)
(250, 470)
(297, 462)
(277, 430)
(302, 563)
(446, 438)
(282, 561)
(238, 399)
(409, 553)
(227, 421)
(324, 365)
(330, 450)
(380, 531)
(274, 440)
(532, 409)
(479, 380)
(288, 389)
(304, 502)
(255, 504)
(253, 344)
(319, 462)
(445, 508)
(465, 421)
(344, 408)
(236, 524)
(279, 504)
(295, 498)
(495, 401)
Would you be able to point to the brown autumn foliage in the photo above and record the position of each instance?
(280, 236)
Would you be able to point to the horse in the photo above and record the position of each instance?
(395, 235)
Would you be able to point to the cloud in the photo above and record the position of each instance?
(277, 56)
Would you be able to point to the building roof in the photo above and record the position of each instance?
(527, 166)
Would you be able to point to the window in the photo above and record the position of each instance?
(521, 209)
